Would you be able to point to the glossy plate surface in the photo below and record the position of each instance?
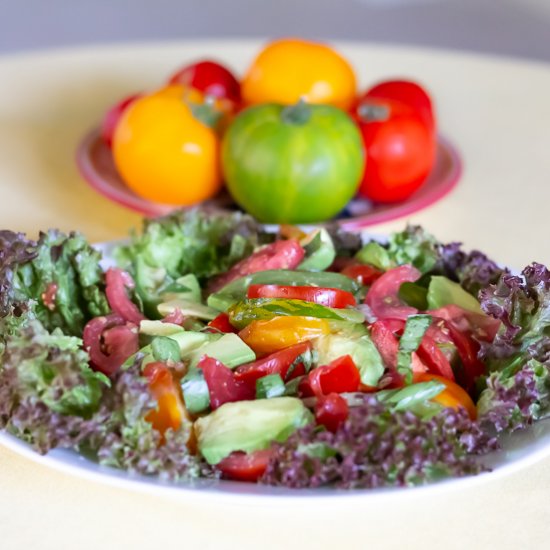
(95, 162)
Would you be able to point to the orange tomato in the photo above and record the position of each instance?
(452, 396)
(290, 69)
(281, 332)
(163, 152)
(170, 411)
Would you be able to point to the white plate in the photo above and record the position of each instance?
(519, 450)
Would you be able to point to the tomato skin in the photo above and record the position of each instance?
(241, 466)
(276, 363)
(329, 297)
(163, 153)
(211, 78)
(278, 255)
(221, 323)
(434, 358)
(289, 69)
(400, 151)
(112, 116)
(282, 332)
(452, 396)
(364, 274)
(292, 168)
(408, 92)
(223, 386)
(383, 298)
(331, 411)
(170, 411)
(339, 376)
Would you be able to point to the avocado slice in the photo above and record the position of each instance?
(229, 349)
(189, 340)
(188, 307)
(443, 291)
(358, 344)
(320, 252)
(186, 288)
(249, 426)
(375, 254)
(158, 328)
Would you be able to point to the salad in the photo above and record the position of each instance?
(217, 348)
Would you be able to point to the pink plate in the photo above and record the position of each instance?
(96, 165)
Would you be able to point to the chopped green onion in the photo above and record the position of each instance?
(165, 349)
(415, 328)
(270, 386)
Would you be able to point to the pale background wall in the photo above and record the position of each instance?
(507, 27)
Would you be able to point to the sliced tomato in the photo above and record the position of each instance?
(383, 336)
(331, 411)
(330, 297)
(383, 298)
(276, 363)
(452, 396)
(245, 466)
(363, 273)
(170, 411)
(431, 355)
(339, 376)
(223, 387)
(483, 327)
(117, 281)
(278, 255)
(221, 324)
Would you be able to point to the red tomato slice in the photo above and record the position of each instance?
(483, 327)
(221, 323)
(382, 296)
(276, 363)
(245, 466)
(382, 334)
(330, 297)
(331, 411)
(431, 356)
(278, 255)
(223, 387)
(117, 281)
(340, 376)
(364, 274)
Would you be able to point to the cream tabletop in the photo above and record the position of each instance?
(496, 111)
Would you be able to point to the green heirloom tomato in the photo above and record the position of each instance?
(296, 164)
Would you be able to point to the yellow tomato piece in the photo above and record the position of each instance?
(165, 154)
(453, 396)
(288, 70)
(281, 332)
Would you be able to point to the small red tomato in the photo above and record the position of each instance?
(245, 466)
(112, 116)
(400, 149)
(408, 92)
(211, 78)
(331, 411)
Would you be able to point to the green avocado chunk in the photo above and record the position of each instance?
(320, 252)
(443, 291)
(249, 426)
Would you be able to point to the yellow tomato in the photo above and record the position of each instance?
(163, 152)
(287, 70)
(453, 396)
(282, 332)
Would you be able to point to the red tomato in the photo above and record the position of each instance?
(382, 334)
(276, 363)
(407, 92)
(330, 297)
(383, 298)
(112, 116)
(116, 283)
(340, 376)
(245, 466)
(364, 274)
(331, 411)
(169, 412)
(221, 323)
(211, 78)
(223, 387)
(278, 255)
(430, 354)
(400, 149)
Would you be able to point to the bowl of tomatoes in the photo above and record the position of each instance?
(292, 140)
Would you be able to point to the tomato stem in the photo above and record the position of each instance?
(298, 114)
(373, 112)
(205, 112)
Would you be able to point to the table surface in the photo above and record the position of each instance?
(495, 110)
